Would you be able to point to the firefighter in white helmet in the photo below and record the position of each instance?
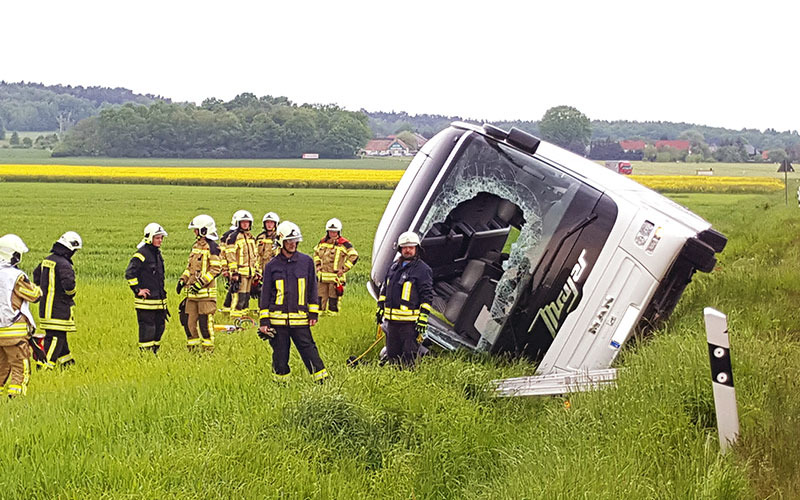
(16, 321)
(56, 277)
(265, 245)
(242, 259)
(404, 302)
(334, 256)
(289, 306)
(145, 275)
(200, 281)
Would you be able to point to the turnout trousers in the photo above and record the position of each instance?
(328, 299)
(304, 342)
(151, 328)
(200, 318)
(240, 301)
(56, 349)
(401, 343)
(15, 366)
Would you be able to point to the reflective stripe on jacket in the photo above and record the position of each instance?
(265, 247)
(205, 264)
(56, 277)
(332, 256)
(146, 270)
(407, 291)
(289, 291)
(16, 292)
(241, 254)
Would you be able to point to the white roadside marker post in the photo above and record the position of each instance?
(722, 377)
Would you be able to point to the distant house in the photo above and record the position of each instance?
(629, 146)
(679, 145)
(389, 146)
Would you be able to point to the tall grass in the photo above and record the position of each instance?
(214, 426)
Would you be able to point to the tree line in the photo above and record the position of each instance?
(38, 107)
(566, 127)
(244, 127)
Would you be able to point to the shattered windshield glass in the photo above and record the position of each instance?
(540, 192)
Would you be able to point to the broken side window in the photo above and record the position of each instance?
(488, 223)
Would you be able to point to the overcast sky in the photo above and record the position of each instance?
(720, 63)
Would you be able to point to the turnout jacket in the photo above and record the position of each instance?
(265, 247)
(332, 256)
(146, 270)
(407, 291)
(56, 277)
(289, 292)
(16, 291)
(223, 249)
(241, 253)
(205, 264)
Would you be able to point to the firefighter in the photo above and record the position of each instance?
(289, 306)
(16, 321)
(242, 258)
(404, 301)
(334, 255)
(223, 248)
(200, 276)
(265, 247)
(145, 275)
(56, 277)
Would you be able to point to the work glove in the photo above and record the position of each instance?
(379, 313)
(421, 326)
(266, 336)
(179, 287)
(196, 287)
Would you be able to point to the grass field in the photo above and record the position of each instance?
(184, 426)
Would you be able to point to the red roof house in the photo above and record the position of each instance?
(679, 145)
(632, 145)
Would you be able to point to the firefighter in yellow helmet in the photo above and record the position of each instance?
(242, 263)
(334, 256)
(16, 321)
(265, 246)
(56, 277)
(145, 275)
(200, 278)
(289, 306)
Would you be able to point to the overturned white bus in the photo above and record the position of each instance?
(538, 252)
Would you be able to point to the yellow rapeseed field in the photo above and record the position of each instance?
(267, 177)
(708, 184)
(328, 178)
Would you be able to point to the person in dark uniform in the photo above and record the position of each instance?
(56, 277)
(145, 275)
(404, 302)
(289, 306)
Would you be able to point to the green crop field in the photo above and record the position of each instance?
(122, 425)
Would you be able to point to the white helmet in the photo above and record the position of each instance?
(334, 225)
(288, 231)
(71, 240)
(241, 215)
(408, 239)
(205, 225)
(271, 216)
(11, 248)
(151, 230)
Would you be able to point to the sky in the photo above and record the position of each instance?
(719, 63)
